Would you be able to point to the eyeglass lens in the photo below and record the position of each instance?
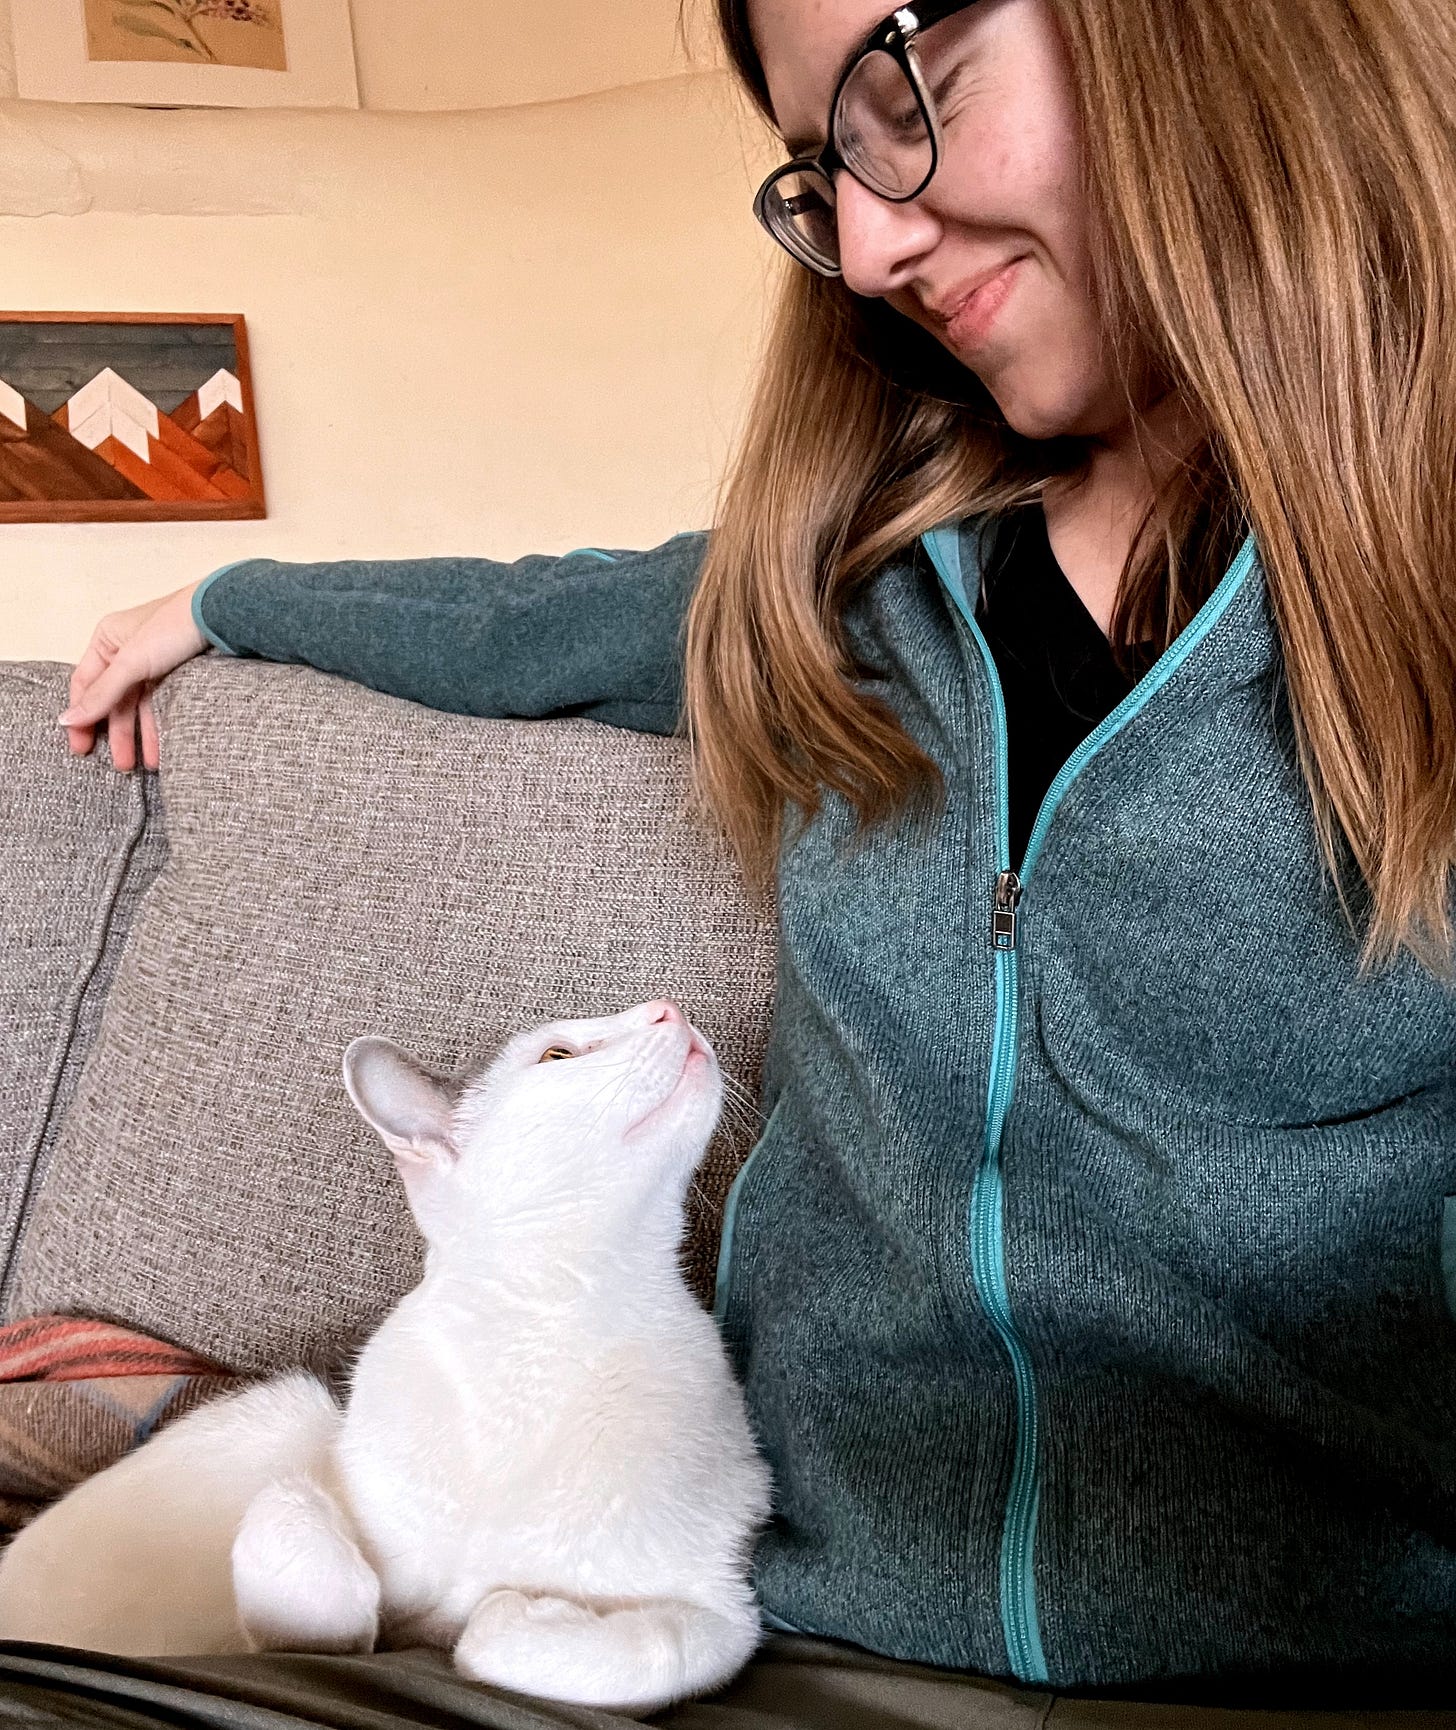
(880, 128)
(882, 135)
(801, 211)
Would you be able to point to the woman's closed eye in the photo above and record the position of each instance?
(908, 123)
(949, 91)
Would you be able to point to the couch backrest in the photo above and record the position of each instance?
(78, 846)
(337, 862)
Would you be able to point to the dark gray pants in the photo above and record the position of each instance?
(793, 1684)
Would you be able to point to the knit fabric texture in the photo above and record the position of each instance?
(1211, 1430)
(1089, 1296)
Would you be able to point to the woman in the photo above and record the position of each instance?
(1073, 648)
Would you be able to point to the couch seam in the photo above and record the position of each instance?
(81, 985)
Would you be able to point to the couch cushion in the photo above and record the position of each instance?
(344, 862)
(78, 844)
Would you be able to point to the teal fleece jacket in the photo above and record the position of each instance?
(1091, 1280)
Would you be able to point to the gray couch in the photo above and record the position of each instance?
(183, 959)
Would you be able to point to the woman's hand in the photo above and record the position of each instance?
(113, 681)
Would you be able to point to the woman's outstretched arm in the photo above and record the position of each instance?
(594, 633)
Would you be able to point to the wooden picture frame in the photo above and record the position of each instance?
(186, 53)
(127, 417)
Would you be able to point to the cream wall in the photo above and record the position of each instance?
(481, 331)
(433, 54)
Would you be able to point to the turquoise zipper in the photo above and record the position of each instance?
(1019, 1620)
(987, 1239)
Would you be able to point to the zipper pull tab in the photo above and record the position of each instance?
(1003, 910)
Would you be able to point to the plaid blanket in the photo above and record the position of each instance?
(75, 1395)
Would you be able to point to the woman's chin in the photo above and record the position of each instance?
(1047, 414)
(1032, 420)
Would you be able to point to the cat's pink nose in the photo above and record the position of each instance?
(667, 1010)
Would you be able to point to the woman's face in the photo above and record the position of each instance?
(1008, 188)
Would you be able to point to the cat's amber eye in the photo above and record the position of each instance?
(554, 1051)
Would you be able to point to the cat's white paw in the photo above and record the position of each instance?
(299, 1579)
(537, 1645)
(503, 1613)
(625, 1655)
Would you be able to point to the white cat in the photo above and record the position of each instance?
(544, 1464)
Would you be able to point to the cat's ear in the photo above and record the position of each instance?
(406, 1105)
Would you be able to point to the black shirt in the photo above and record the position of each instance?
(1057, 672)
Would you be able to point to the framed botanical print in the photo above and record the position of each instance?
(126, 417)
(183, 53)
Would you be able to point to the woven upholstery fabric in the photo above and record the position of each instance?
(77, 847)
(345, 862)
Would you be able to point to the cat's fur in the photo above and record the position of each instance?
(543, 1465)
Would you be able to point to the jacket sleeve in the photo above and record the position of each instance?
(594, 633)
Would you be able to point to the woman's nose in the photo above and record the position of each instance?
(881, 245)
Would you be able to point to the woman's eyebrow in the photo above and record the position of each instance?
(812, 146)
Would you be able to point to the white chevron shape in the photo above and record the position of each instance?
(109, 407)
(220, 388)
(12, 405)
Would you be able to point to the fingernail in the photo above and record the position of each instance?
(68, 717)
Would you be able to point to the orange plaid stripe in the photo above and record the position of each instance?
(54, 1348)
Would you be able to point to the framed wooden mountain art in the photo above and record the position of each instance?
(186, 53)
(126, 417)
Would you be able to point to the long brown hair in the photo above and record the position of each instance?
(1272, 185)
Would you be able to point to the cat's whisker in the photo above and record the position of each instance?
(739, 1120)
(739, 1094)
(741, 1099)
(697, 1192)
(611, 1100)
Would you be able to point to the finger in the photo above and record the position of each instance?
(121, 731)
(151, 745)
(92, 664)
(105, 692)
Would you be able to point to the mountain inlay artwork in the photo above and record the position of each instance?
(126, 417)
(202, 32)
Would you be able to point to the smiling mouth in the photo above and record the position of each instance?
(970, 322)
(970, 317)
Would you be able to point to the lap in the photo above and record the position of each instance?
(793, 1684)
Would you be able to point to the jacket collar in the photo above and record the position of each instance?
(1231, 640)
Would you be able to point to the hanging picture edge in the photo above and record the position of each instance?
(252, 504)
(51, 64)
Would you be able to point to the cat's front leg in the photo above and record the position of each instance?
(624, 1654)
(299, 1578)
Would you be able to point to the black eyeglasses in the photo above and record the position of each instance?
(884, 129)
